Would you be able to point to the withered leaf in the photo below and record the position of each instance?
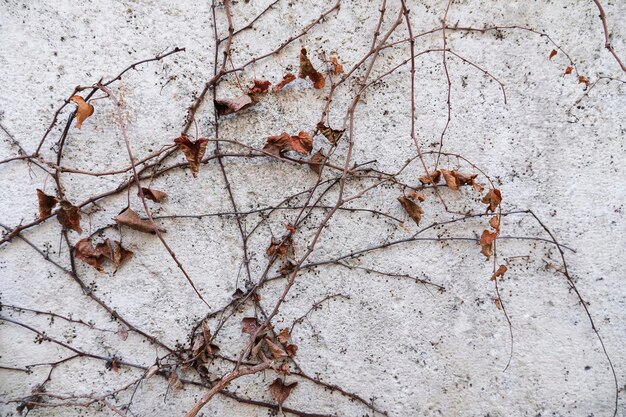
(495, 222)
(231, 105)
(317, 162)
(498, 303)
(412, 208)
(284, 336)
(332, 135)
(287, 78)
(83, 111)
(583, 80)
(291, 349)
(486, 243)
(260, 86)
(553, 54)
(451, 179)
(276, 351)
(174, 380)
(493, 199)
(46, 204)
(431, 178)
(69, 216)
(337, 67)
(280, 391)
(568, 70)
(131, 219)
(194, 151)
(307, 70)
(303, 143)
(115, 365)
(417, 196)
(152, 194)
(250, 325)
(283, 369)
(85, 251)
(287, 268)
(120, 255)
(282, 248)
(499, 272)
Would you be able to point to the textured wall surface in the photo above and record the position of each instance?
(403, 347)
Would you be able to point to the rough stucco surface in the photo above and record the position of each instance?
(411, 350)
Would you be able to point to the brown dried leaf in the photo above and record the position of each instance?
(317, 162)
(283, 369)
(413, 210)
(260, 87)
(493, 199)
(464, 179)
(115, 365)
(307, 70)
(46, 204)
(284, 336)
(85, 251)
(131, 219)
(83, 111)
(476, 186)
(231, 105)
(69, 216)
(486, 243)
(337, 67)
(553, 54)
(152, 194)
(276, 351)
(282, 248)
(120, 255)
(431, 178)
(287, 268)
(451, 179)
(568, 70)
(250, 325)
(499, 272)
(287, 78)
(291, 349)
(583, 80)
(417, 196)
(174, 381)
(498, 303)
(194, 151)
(495, 222)
(332, 135)
(303, 143)
(280, 391)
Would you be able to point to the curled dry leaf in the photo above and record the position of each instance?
(307, 70)
(250, 325)
(495, 222)
(337, 67)
(499, 272)
(451, 179)
(553, 54)
(486, 243)
(120, 255)
(583, 80)
(131, 219)
(283, 369)
(284, 336)
(232, 105)
(287, 78)
(83, 111)
(498, 303)
(282, 248)
(431, 178)
(417, 196)
(280, 391)
(94, 257)
(152, 194)
(194, 151)
(303, 143)
(412, 208)
(276, 351)
(46, 204)
(568, 70)
(317, 162)
(174, 381)
(332, 135)
(69, 216)
(493, 199)
(291, 349)
(260, 87)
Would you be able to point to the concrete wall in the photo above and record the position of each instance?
(402, 346)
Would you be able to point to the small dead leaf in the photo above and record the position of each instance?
(413, 210)
(332, 135)
(307, 70)
(317, 162)
(417, 196)
(194, 151)
(498, 303)
(120, 255)
(85, 251)
(287, 268)
(280, 391)
(465, 179)
(486, 243)
(493, 199)
(250, 325)
(283, 369)
(291, 349)
(287, 78)
(499, 272)
(284, 336)
(337, 67)
(152, 194)
(260, 87)
(282, 248)
(553, 54)
(232, 105)
(583, 80)
(276, 351)
(568, 70)
(69, 216)
(431, 178)
(115, 365)
(495, 222)
(131, 219)
(83, 111)
(46, 204)
(451, 179)
(174, 381)
(303, 143)
(476, 186)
